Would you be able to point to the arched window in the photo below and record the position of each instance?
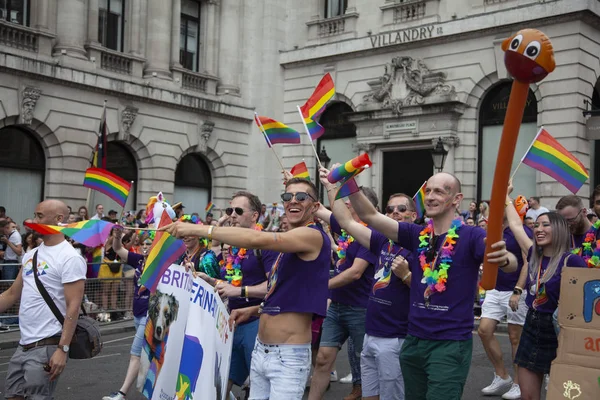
(193, 184)
(491, 122)
(339, 136)
(22, 170)
(121, 162)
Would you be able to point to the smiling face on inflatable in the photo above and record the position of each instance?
(529, 56)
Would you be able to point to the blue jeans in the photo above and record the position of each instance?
(10, 272)
(343, 322)
(138, 340)
(279, 372)
(244, 339)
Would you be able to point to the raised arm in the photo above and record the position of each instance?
(369, 215)
(117, 245)
(359, 232)
(515, 224)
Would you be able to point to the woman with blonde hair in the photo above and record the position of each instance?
(547, 255)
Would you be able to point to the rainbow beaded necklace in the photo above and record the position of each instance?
(591, 255)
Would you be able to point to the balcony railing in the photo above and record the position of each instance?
(332, 26)
(18, 36)
(193, 81)
(115, 62)
(409, 11)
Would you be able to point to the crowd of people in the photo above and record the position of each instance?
(302, 281)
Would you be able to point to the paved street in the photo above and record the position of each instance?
(91, 379)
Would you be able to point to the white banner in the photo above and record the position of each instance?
(191, 317)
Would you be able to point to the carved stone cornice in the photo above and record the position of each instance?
(128, 116)
(206, 130)
(30, 96)
(364, 147)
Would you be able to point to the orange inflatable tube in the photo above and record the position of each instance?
(529, 58)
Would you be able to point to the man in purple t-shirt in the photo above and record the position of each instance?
(436, 354)
(296, 289)
(386, 318)
(254, 267)
(350, 287)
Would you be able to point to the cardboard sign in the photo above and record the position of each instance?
(575, 373)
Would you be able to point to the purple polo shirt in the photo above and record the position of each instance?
(140, 300)
(449, 315)
(355, 293)
(387, 309)
(548, 299)
(507, 281)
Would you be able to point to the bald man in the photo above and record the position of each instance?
(44, 345)
(436, 354)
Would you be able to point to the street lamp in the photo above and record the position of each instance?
(439, 153)
(325, 160)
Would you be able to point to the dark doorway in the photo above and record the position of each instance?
(596, 112)
(405, 171)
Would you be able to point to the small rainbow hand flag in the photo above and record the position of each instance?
(276, 132)
(165, 251)
(419, 199)
(209, 207)
(346, 172)
(300, 171)
(315, 106)
(108, 183)
(91, 233)
(547, 155)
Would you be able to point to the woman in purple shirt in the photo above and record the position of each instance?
(546, 259)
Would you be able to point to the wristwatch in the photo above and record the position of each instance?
(64, 348)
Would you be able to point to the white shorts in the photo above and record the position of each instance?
(495, 306)
(380, 368)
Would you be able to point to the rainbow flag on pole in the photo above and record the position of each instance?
(300, 171)
(315, 105)
(419, 199)
(276, 132)
(108, 183)
(165, 251)
(91, 233)
(547, 155)
(346, 172)
(209, 207)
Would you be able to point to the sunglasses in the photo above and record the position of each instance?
(300, 196)
(238, 210)
(401, 208)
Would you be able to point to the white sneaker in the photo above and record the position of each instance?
(114, 396)
(346, 379)
(333, 377)
(513, 394)
(498, 387)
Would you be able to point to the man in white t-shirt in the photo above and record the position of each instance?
(99, 212)
(14, 249)
(535, 209)
(44, 346)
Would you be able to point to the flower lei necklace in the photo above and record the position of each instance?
(590, 255)
(436, 279)
(344, 241)
(232, 268)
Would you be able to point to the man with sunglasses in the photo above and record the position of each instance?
(254, 266)
(297, 289)
(350, 286)
(436, 354)
(386, 318)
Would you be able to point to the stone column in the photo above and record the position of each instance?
(71, 28)
(158, 39)
(229, 53)
(175, 32)
(210, 39)
(41, 15)
(93, 20)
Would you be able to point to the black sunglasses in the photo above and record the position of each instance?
(238, 210)
(300, 196)
(401, 208)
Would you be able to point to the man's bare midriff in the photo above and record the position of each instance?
(285, 328)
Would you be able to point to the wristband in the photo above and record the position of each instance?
(406, 276)
(243, 292)
(210, 231)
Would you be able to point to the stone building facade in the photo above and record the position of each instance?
(183, 78)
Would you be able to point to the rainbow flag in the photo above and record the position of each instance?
(209, 207)
(91, 233)
(315, 105)
(300, 171)
(419, 199)
(314, 129)
(547, 155)
(346, 172)
(165, 251)
(276, 132)
(97, 258)
(108, 183)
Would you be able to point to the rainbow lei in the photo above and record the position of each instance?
(344, 241)
(436, 279)
(590, 255)
(232, 269)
